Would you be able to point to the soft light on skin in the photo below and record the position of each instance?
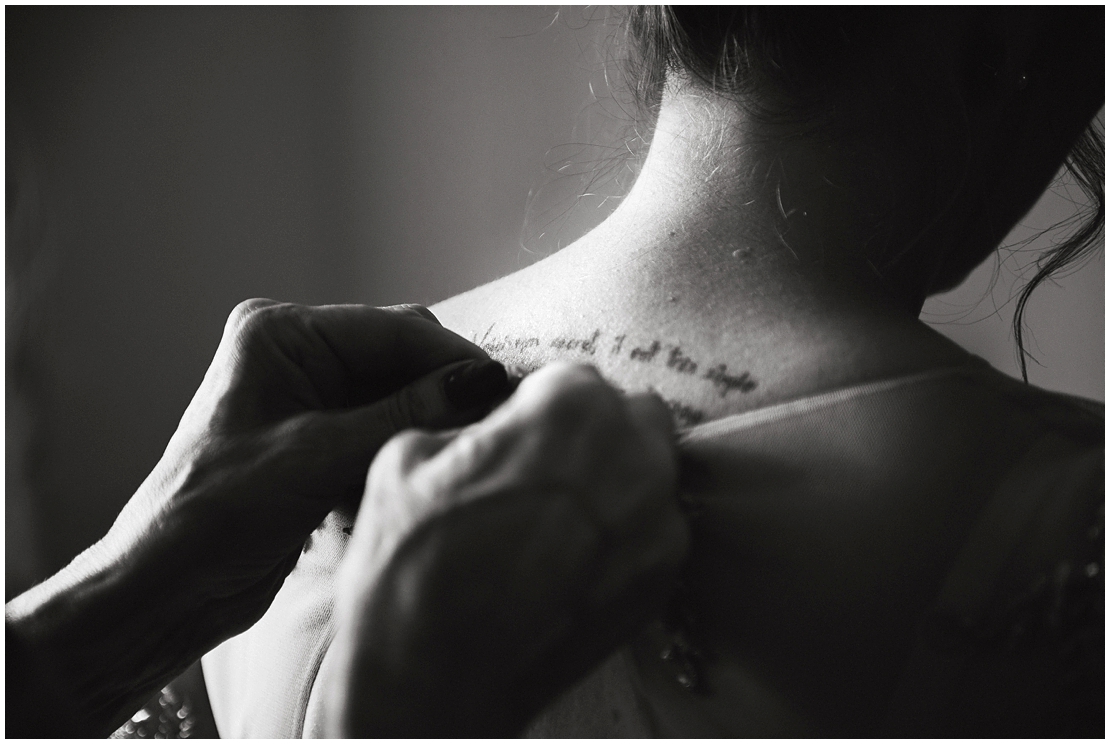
(842, 225)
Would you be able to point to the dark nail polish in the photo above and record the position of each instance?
(476, 384)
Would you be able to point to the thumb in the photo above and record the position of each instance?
(451, 396)
(347, 441)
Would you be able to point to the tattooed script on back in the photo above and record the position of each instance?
(523, 351)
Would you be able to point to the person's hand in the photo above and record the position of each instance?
(295, 405)
(492, 567)
(292, 410)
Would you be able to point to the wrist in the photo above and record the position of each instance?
(101, 637)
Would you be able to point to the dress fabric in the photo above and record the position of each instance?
(882, 553)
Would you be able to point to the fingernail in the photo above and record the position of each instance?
(476, 384)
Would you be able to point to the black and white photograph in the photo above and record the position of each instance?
(554, 371)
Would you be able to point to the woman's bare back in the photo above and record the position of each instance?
(646, 324)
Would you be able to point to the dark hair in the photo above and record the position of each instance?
(1086, 163)
(784, 61)
(778, 55)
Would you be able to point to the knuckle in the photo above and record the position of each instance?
(575, 394)
(404, 451)
(245, 310)
(391, 498)
(414, 309)
(410, 443)
(467, 451)
(572, 375)
(583, 428)
(256, 319)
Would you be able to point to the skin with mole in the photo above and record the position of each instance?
(522, 354)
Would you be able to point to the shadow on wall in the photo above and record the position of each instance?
(169, 163)
(166, 163)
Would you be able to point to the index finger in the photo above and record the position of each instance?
(384, 349)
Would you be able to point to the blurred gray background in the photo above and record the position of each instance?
(164, 164)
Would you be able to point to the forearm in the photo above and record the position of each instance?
(96, 640)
